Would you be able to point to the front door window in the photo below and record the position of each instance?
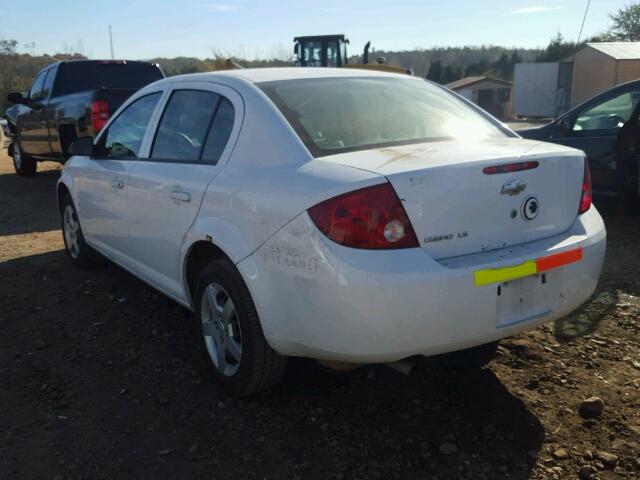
(609, 115)
(124, 136)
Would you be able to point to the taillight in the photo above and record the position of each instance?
(585, 198)
(510, 167)
(369, 218)
(99, 114)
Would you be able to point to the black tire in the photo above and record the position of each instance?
(80, 254)
(67, 134)
(24, 165)
(259, 366)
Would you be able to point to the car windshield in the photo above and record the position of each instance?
(82, 76)
(335, 115)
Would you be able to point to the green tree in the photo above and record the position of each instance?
(502, 68)
(435, 71)
(8, 47)
(451, 74)
(557, 50)
(481, 67)
(626, 23)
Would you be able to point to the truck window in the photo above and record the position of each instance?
(35, 92)
(76, 77)
(48, 83)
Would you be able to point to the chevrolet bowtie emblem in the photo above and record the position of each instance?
(514, 187)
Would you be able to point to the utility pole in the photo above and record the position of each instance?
(111, 43)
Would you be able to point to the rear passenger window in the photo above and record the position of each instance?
(184, 124)
(219, 133)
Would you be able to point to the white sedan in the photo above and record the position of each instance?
(348, 216)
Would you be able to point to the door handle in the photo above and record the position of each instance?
(117, 184)
(180, 196)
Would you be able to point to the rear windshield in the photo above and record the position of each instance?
(336, 115)
(83, 76)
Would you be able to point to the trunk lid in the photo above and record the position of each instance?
(456, 209)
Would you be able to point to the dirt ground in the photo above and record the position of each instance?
(98, 379)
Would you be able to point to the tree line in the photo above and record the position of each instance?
(625, 27)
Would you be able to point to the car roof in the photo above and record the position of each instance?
(260, 75)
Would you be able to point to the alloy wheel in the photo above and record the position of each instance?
(71, 231)
(221, 329)
(17, 155)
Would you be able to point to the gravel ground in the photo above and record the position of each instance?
(98, 379)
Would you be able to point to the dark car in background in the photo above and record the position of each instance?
(607, 129)
(68, 100)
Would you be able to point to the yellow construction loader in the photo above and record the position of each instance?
(325, 51)
(331, 51)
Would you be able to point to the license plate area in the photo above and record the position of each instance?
(527, 298)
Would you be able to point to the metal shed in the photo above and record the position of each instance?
(602, 65)
(491, 94)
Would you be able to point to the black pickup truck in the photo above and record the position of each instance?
(68, 100)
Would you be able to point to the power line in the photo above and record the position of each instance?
(584, 19)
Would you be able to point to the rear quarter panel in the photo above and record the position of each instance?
(269, 178)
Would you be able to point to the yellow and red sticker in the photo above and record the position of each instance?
(525, 269)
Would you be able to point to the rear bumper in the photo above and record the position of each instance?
(320, 300)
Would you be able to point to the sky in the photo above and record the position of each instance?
(145, 29)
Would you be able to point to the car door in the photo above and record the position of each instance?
(47, 129)
(30, 122)
(594, 128)
(190, 146)
(101, 181)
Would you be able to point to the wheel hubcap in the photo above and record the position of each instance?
(221, 329)
(71, 230)
(17, 155)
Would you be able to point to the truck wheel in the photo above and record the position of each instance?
(24, 164)
(232, 343)
(80, 254)
(67, 134)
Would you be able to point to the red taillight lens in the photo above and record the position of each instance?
(369, 218)
(99, 114)
(585, 198)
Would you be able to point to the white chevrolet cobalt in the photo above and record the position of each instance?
(343, 215)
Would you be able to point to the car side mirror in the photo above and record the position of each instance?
(82, 147)
(566, 123)
(17, 98)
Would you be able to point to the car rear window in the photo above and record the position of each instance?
(342, 114)
(82, 76)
